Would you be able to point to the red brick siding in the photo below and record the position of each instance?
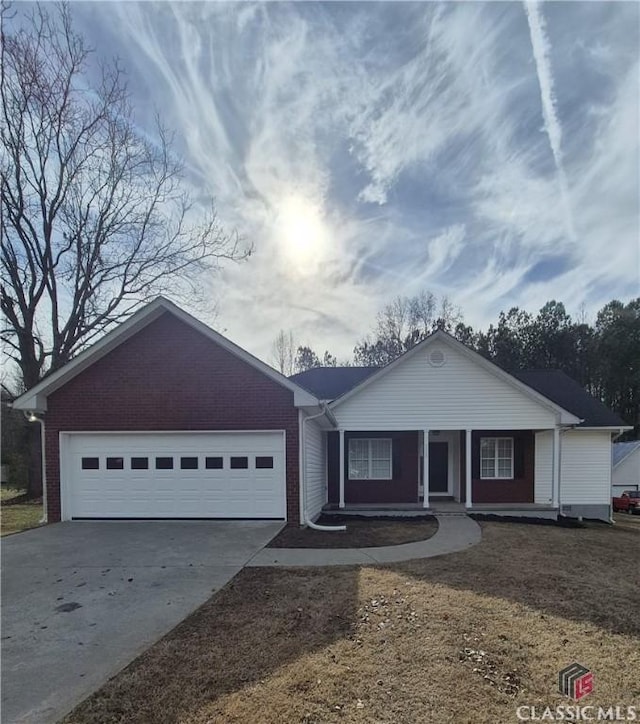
(171, 377)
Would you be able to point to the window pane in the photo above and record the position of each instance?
(115, 463)
(504, 448)
(358, 459)
(189, 463)
(164, 463)
(90, 463)
(358, 469)
(487, 448)
(380, 449)
(239, 463)
(504, 468)
(139, 463)
(264, 462)
(487, 469)
(380, 469)
(213, 463)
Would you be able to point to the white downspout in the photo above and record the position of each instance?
(32, 417)
(303, 486)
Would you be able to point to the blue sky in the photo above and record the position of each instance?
(486, 151)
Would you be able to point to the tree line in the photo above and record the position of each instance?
(603, 356)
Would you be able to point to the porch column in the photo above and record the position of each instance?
(425, 469)
(341, 433)
(467, 466)
(555, 485)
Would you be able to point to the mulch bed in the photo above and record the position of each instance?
(362, 532)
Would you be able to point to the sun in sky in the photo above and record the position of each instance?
(302, 233)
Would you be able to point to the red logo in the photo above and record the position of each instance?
(575, 681)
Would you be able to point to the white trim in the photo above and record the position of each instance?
(341, 436)
(63, 462)
(468, 467)
(555, 462)
(566, 417)
(425, 468)
(496, 440)
(302, 478)
(35, 398)
(369, 440)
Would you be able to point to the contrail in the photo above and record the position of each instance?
(541, 51)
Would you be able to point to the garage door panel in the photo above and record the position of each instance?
(133, 486)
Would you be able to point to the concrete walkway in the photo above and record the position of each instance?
(455, 533)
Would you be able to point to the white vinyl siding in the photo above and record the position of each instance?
(173, 475)
(496, 458)
(543, 473)
(458, 395)
(370, 459)
(315, 469)
(585, 467)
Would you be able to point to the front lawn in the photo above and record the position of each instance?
(21, 516)
(465, 637)
(360, 533)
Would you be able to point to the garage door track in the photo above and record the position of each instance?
(80, 600)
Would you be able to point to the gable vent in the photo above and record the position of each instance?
(436, 358)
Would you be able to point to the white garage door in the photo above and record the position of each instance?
(173, 475)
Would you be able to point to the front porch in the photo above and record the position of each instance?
(417, 472)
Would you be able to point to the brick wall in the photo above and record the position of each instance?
(171, 377)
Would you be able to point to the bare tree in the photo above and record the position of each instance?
(283, 353)
(404, 322)
(95, 218)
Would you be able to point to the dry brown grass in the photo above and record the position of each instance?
(460, 638)
(360, 533)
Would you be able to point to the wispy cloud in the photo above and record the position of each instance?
(405, 141)
(541, 54)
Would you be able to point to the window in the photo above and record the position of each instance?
(370, 459)
(90, 463)
(115, 463)
(164, 463)
(188, 463)
(139, 463)
(496, 458)
(239, 463)
(213, 463)
(264, 462)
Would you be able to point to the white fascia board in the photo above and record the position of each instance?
(35, 398)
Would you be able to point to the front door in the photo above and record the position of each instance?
(438, 467)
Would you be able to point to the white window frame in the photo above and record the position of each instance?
(496, 476)
(369, 475)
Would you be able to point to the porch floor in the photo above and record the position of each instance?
(451, 507)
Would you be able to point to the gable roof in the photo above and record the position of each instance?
(36, 398)
(327, 383)
(557, 388)
(566, 417)
(566, 392)
(620, 451)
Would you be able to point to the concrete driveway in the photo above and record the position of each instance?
(80, 600)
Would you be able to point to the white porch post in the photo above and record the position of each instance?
(341, 433)
(555, 494)
(468, 465)
(425, 469)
